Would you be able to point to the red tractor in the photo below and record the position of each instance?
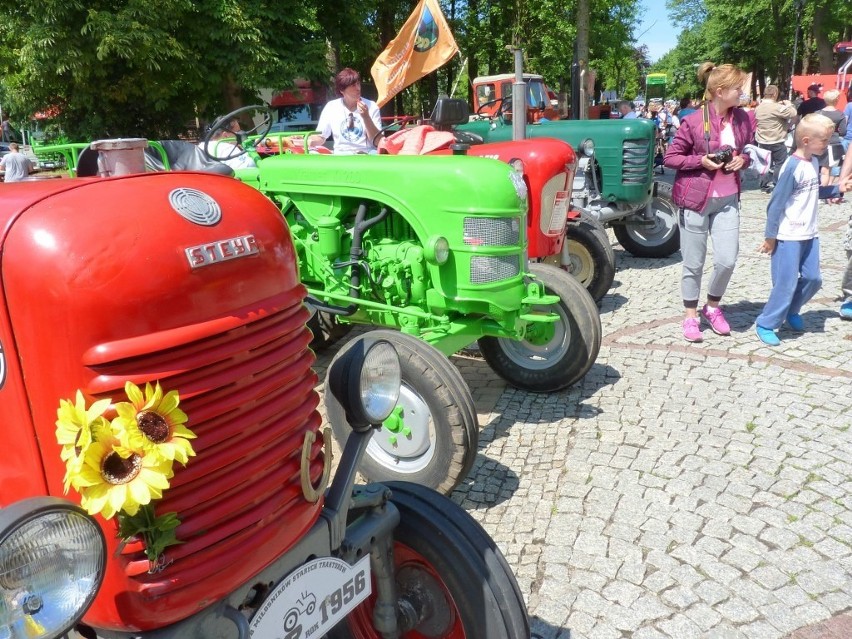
(190, 281)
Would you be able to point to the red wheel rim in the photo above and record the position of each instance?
(361, 619)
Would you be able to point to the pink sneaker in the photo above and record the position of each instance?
(717, 320)
(692, 329)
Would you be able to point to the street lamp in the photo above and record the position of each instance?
(799, 5)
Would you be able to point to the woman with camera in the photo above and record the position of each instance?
(707, 154)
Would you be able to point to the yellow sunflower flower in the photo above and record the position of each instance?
(153, 423)
(115, 478)
(75, 430)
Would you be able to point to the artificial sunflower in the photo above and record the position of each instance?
(76, 428)
(153, 423)
(116, 478)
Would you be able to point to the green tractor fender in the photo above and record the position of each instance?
(475, 204)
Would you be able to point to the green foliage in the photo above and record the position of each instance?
(158, 532)
(149, 68)
(759, 36)
(130, 67)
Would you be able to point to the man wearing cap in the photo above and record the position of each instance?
(772, 119)
(814, 103)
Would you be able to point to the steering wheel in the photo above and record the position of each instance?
(220, 127)
(381, 132)
(504, 106)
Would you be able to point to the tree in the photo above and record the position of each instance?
(129, 67)
(759, 35)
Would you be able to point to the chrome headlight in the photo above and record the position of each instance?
(365, 381)
(52, 560)
(587, 146)
(380, 381)
(519, 184)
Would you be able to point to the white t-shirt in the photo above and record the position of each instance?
(17, 167)
(350, 134)
(792, 210)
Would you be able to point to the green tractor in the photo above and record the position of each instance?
(434, 248)
(614, 184)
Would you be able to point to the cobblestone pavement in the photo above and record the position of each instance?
(681, 490)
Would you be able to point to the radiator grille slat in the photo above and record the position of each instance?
(249, 394)
(492, 231)
(485, 269)
(636, 166)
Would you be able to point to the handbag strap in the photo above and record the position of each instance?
(705, 107)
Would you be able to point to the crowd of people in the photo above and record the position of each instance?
(713, 141)
(773, 122)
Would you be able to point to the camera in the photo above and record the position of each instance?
(724, 155)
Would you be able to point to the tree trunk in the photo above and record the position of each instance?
(232, 94)
(823, 46)
(806, 53)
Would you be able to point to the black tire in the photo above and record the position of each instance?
(554, 356)
(592, 258)
(326, 330)
(448, 559)
(437, 407)
(659, 240)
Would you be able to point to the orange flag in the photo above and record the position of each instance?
(423, 44)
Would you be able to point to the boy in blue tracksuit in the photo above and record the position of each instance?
(792, 230)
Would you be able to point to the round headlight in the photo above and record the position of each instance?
(588, 147)
(364, 380)
(437, 249)
(380, 380)
(52, 559)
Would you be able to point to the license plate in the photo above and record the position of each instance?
(560, 212)
(312, 599)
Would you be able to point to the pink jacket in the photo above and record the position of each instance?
(692, 181)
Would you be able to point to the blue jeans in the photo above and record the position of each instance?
(795, 280)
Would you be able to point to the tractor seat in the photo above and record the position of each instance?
(449, 112)
(184, 156)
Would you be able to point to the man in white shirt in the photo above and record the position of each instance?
(353, 121)
(15, 164)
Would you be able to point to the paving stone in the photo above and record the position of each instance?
(703, 616)
(680, 626)
(680, 490)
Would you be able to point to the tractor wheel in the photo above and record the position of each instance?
(431, 437)
(326, 330)
(658, 240)
(551, 356)
(450, 576)
(592, 260)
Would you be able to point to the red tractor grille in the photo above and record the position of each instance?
(248, 390)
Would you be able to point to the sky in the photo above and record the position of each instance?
(658, 34)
